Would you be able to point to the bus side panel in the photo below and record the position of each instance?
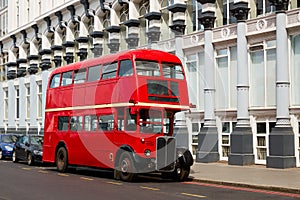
(124, 90)
(49, 137)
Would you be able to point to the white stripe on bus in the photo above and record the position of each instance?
(118, 105)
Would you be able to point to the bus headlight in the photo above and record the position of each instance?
(147, 152)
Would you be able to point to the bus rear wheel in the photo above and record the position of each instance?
(62, 159)
(126, 167)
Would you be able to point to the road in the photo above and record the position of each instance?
(20, 181)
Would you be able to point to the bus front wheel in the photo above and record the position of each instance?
(61, 159)
(126, 170)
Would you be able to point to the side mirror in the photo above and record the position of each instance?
(27, 144)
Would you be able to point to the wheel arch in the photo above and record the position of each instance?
(121, 150)
(184, 156)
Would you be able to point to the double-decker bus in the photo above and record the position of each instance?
(117, 112)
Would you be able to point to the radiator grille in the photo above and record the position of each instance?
(165, 153)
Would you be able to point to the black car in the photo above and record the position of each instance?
(29, 148)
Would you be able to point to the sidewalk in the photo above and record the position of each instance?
(256, 176)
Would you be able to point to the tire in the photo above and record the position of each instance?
(181, 173)
(61, 159)
(1, 154)
(14, 157)
(30, 160)
(126, 168)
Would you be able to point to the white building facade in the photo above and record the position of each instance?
(241, 58)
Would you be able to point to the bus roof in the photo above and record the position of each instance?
(147, 54)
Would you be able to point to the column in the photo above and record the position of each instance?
(46, 52)
(2, 109)
(208, 136)
(22, 106)
(241, 139)
(114, 31)
(178, 10)
(133, 26)
(57, 47)
(33, 129)
(34, 52)
(281, 138)
(22, 61)
(11, 127)
(69, 44)
(12, 60)
(83, 31)
(153, 16)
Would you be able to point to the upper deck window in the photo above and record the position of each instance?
(126, 68)
(94, 73)
(55, 81)
(66, 78)
(171, 70)
(109, 70)
(147, 68)
(79, 76)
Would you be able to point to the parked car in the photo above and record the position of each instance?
(7, 143)
(29, 148)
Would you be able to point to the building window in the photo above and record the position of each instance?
(40, 100)
(263, 7)
(299, 142)
(3, 23)
(124, 12)
(143, 9)
(226, 78)
(263, 74)
(3, 3)
(6, 103)
(195, 78)
(194, 11)
(166, 20)
(295, 70)
(227, 128)
(17, 103)
(263, 130)
(3, 67)
(28, 102)
(228, 18)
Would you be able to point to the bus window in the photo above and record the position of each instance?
(125, 68)
(90, 123)
(79, 76)
(150, 121)
(66, 78)
(55, 81)
(147, 68)
(130, 121)
(94, 73)
(63, 123)
(109, 70)
(76, 123)
(172, 71)
(157, 87)
(106, 122)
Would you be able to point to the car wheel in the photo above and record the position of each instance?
(126, 167)
(14, 157)
(62, 159)
(30, 160)
(1, 155)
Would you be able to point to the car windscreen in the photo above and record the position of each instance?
(36, 140)
(9, 138)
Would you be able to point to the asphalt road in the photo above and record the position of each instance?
(20, 181)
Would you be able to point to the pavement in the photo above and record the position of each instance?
(253, 176)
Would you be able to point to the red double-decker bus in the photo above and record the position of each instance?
(117, 112)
